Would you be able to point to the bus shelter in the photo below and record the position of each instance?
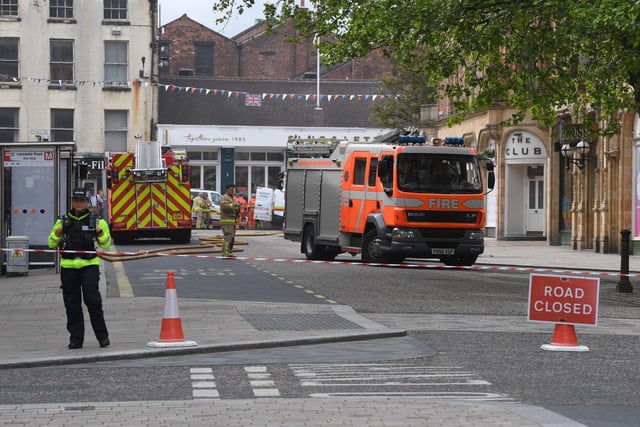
(35, 184)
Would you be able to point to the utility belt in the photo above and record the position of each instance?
(73, 255)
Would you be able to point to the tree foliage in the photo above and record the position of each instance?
(535, 56)
(404, 94)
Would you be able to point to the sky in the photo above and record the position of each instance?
(200, 11)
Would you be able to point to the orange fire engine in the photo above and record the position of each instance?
(393, 198)
(149, 195)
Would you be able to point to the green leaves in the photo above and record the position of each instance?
(531, 55)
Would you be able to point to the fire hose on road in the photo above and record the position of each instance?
(207, 245)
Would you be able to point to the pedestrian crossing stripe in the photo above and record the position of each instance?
(373, 380)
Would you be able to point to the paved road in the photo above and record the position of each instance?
(32, 307)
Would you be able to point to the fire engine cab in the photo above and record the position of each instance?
(149, 194)
(389, 199)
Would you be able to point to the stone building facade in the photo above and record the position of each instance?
(584, 203)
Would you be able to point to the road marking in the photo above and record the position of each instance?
(203, 384)
(393, 380)
(261, 382)
(419, 395)
(124, 286)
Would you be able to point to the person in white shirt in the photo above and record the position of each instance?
(95, 202)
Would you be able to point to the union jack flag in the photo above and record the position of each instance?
(253, 100)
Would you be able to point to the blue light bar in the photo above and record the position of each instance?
(410, 139)
(451, 140)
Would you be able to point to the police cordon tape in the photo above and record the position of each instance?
(198, 251)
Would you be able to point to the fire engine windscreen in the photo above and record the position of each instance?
(433, 173)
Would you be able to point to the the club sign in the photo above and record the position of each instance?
(563, 299)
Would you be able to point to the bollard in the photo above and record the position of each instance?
(624, 285)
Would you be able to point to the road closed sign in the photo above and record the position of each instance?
(563, 299)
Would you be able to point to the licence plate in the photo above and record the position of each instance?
(442, 251)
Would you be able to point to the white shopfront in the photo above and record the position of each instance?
(249, 156)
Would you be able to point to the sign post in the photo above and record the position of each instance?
(264, 202)
(565, 301)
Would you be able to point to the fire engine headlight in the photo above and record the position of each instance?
(402, 234)
(476, 235)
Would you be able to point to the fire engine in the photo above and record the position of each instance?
(389, 199)
(148, 194)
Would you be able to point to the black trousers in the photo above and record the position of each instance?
(78, 285)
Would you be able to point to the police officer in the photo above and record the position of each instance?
(229, 212)
(80, 272)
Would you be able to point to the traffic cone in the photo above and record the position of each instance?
(171, 334)
(564, 339)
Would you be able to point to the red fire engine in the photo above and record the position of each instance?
(148, 194)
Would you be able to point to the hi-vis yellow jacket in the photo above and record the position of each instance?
(104, 241)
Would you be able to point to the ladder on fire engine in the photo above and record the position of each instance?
(149, 164)
(311, 147)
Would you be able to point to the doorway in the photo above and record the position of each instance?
(535, 205)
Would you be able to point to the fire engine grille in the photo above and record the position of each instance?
(444, 234)
(442, 216)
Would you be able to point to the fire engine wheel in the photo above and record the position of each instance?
(464, 261)
(181, 236)
(371, 251)
(314, 251)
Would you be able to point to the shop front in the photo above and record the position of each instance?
(249, 156)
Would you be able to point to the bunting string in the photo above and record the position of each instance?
(251, 99)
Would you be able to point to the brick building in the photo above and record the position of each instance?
(231, 103)
(188, 48)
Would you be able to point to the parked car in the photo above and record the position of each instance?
(214, 196)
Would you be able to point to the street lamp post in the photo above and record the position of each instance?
(316, 42)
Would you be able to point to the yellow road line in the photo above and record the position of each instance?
(124, 286)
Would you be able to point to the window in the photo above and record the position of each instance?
(61, 125)
(8, 7)
(61, 53)
(257, 177)
(273, 176)
(8, 124)
(359, 171)
(204, 59)
(8, 59)
(115, 9)
(242, 178)
(275, 157)
(373, 172)
(115, 130)
(163, 59)
(202, 155)
(257, 169)
(61, 9)
(115, 61)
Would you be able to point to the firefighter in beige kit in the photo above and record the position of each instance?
(229, 211)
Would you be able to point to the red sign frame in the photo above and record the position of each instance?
(563, 299)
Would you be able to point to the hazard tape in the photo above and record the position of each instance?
(489, 267)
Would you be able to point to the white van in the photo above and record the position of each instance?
(214, 196)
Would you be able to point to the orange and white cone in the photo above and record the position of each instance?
(171, 334)
(564, 339)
